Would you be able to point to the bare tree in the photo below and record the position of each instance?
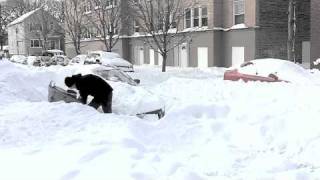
(55, 8)
(159, 20)
(21, 7)
(106, 19)
(5, 19)
(74, 22)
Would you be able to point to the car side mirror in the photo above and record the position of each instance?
(137, 81)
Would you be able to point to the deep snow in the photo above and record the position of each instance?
(213, 129)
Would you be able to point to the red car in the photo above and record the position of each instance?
(235, 75)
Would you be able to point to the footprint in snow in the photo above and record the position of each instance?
(70, 175)
(92, 155)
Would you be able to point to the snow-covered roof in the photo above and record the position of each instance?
(23, 17)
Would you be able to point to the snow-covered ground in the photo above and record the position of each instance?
(213, 129)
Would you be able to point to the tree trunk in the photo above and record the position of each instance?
(290, 43)
(164, 62)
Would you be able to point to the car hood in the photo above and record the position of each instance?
(134, 100)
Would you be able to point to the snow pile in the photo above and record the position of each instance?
(316, 62)
(213, 129)
(285, 70)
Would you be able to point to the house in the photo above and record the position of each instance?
(223, 33)
(35, 32)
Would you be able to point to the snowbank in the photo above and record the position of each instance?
(285, 70)
(213, 129)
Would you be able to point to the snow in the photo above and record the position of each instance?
(285, 70)
(111, 58)
(23, 17)
(213, 129)
(316, 62)
(239, 26)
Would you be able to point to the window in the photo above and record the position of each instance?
(188, 18)
(51, 25)
(173, 22)
(52, 44)
(36, 43)
(196, 17)
(111, 3)
(204, 16)
(87, 7)
(239, 10)
(136, 26)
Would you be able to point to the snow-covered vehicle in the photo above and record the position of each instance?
(55, 52)
(79, 59)
(128, 97)
(34, 61)
(19, 59)
(267, 70)
(60, 60)
(108, 58)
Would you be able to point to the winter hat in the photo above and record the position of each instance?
(69, 81)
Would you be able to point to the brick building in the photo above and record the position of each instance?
(224, 33)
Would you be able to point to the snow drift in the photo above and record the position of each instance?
(213, 129)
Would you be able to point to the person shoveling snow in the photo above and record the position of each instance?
(95, 86)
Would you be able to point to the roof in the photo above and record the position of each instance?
(23, 17)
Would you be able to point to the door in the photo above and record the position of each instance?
(151, 51)
(141, 56)
(203, 57)
(20, 49)
(306, 54)
(183, 55)
(237, 56)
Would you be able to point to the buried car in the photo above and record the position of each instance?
(128, 98)
(19, 59)
(269, 70)
(108, 58)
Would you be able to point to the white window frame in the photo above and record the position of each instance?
(185, 18)
(201, 17)
(32, 43)
(194, 18)
(238, 14)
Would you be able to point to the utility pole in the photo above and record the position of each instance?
(291, 30)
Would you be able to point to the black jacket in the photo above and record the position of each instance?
(92, 85)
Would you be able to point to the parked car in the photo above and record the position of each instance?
(79, 59)
(128, 98)
(266, 70)
(34, 61)
(60, 60)
(19, 59)
(108, 58)
(54, 52)
(48, 60)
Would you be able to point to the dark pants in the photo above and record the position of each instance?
(105, 103)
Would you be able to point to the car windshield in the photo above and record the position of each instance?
(94, 55)
(115, 75)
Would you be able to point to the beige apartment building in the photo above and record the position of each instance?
(222, 33)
